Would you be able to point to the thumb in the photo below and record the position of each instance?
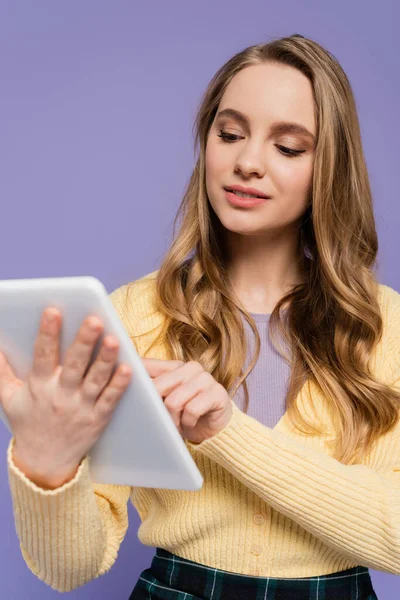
(8, 380)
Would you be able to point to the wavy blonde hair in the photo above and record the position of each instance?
(333, 320)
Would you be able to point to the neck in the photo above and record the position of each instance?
(263, 270)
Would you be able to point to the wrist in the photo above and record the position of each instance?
(43, 477)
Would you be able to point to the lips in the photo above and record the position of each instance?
(248, 190)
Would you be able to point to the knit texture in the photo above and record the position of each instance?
(274, 502)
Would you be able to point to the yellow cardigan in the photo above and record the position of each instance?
(274, 502)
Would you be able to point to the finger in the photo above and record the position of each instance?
(193, 410)
(167, 382)
(47, 344)
(113, 392)
(8, 380)
(176, 400)
(102, 369)
(80, 352)
(156, 366)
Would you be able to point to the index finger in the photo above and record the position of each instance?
(158, 366)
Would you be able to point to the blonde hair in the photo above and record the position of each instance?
(333, 319)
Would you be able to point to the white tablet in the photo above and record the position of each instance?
(141, 445)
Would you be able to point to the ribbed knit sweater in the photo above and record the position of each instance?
(274, 501)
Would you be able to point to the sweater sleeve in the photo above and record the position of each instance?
(354, 509)
(70, 535)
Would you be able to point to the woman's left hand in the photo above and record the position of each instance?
(199, 406)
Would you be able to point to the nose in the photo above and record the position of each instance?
(250, 161)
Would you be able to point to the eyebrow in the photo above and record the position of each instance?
(276, 128)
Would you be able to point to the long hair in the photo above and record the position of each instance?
(332, 320)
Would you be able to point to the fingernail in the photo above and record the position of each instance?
(93, 323)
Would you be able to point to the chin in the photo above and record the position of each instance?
(238, 226)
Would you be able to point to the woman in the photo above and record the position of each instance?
(301, 486)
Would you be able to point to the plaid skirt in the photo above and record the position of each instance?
(173, 578)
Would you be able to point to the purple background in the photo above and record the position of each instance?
(97, 105)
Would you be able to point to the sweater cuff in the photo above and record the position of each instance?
(20, 480)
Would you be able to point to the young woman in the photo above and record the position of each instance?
(297, 434)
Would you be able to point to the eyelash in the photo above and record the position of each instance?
(227, 137)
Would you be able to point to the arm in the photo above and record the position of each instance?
(353, 508)
(69, 535)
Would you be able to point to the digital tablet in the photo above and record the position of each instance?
(141, 445)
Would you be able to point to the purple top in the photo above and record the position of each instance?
(267, 382)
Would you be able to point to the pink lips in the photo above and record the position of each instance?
(244, 202)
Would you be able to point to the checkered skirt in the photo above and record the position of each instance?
(173, 578)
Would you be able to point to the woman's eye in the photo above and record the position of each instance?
(228, 137)
(288, 151)
(231, 137)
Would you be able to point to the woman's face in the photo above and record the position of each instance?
(257, 151)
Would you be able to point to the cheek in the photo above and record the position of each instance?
(217, 161)
(212, 166)
(210, 159)
(208, 169)
(294, 177)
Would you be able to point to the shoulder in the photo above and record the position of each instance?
(128, 293)
(389, 297)
(389, 300)
(134, 302)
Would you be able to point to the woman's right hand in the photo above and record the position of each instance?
(58, 414)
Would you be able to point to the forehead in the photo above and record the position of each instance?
(271, 92)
